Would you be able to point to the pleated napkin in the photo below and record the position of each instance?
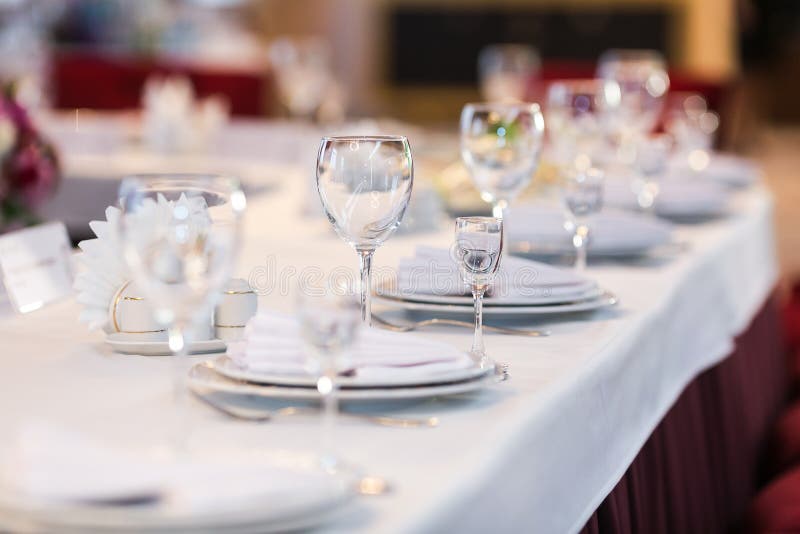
(273, 344)
(434, 271)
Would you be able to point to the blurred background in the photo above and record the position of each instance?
(415, 61)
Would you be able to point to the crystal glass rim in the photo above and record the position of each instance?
(183, 177)
(488, 106)
(348, 138)
(213, 182)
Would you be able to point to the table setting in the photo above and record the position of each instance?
(361, 390)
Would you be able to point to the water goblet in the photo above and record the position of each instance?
(573, 111)
(582, 192)
(364, 183)
(478, 249)
(500, 146)
(329, 324)
(506, 70)
(692, 127)
(180, 236)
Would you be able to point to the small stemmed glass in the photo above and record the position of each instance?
(329, 323)
(500, 146)
(364, 183)
(582, 191)
(180, 235)
(652, 156)
(478, 249)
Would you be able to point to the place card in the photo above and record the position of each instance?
(35, 265)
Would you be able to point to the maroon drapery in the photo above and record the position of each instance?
(705, 460)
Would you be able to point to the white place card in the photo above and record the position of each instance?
(35, 265)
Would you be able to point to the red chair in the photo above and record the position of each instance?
(114, 82)
(776, 509)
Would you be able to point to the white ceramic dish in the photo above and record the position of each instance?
(227, 367)
(123, 344)
(604, 300)
(294, 510)
(204, 379)
(492, 302)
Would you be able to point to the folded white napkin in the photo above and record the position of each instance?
(727, 169)
(676, 197)
(434, 271)
(610, 230)
(50, 464)
(273, 344)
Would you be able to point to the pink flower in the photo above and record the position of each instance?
(31, 171)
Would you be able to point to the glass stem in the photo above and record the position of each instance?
(365, 264)
(326, 385)
(179, 340)
(580, 241)
(478, 350)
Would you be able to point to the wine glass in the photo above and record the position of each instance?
(506, 70)
(582, 192)
(652, 157)
(692, 127)
(180, 236)
(303, 74)
(365, 183)
(642, 80)
(500, 146)
(478, 248)
(573, 113)
(329, 323)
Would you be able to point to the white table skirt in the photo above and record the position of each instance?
(537, 453)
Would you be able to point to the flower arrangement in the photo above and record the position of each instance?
(29, 167)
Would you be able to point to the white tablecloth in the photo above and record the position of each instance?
(537, 453)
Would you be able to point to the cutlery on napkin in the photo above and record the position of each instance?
(434, 271)
(272, 343)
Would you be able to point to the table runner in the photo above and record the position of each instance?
(541, 451)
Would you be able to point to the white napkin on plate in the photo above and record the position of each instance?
(53, 465)
(677, 197)
(610, 230)
(434, 271)
(272, 344)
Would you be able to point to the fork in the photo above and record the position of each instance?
(263, 415)
(408, 327)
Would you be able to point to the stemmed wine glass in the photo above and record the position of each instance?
(478, 249)
(329, 323)
(506, 70)
(365, 183)
(500, 146)
(573, 113)
(692, 127)
(582, 191)
(180, 236)
(651, 159)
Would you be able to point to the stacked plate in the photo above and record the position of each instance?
(547, 231)
(223, 375)
(430, 282)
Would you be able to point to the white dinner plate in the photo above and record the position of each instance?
(680, 200)
(227, 367)
(590, 293)
(294, 509)
(122, 343)
(204, 379)
(604, 300)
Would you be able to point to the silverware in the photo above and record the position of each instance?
(408, 327)
(258, 415)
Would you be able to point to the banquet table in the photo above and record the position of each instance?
(537, 453)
